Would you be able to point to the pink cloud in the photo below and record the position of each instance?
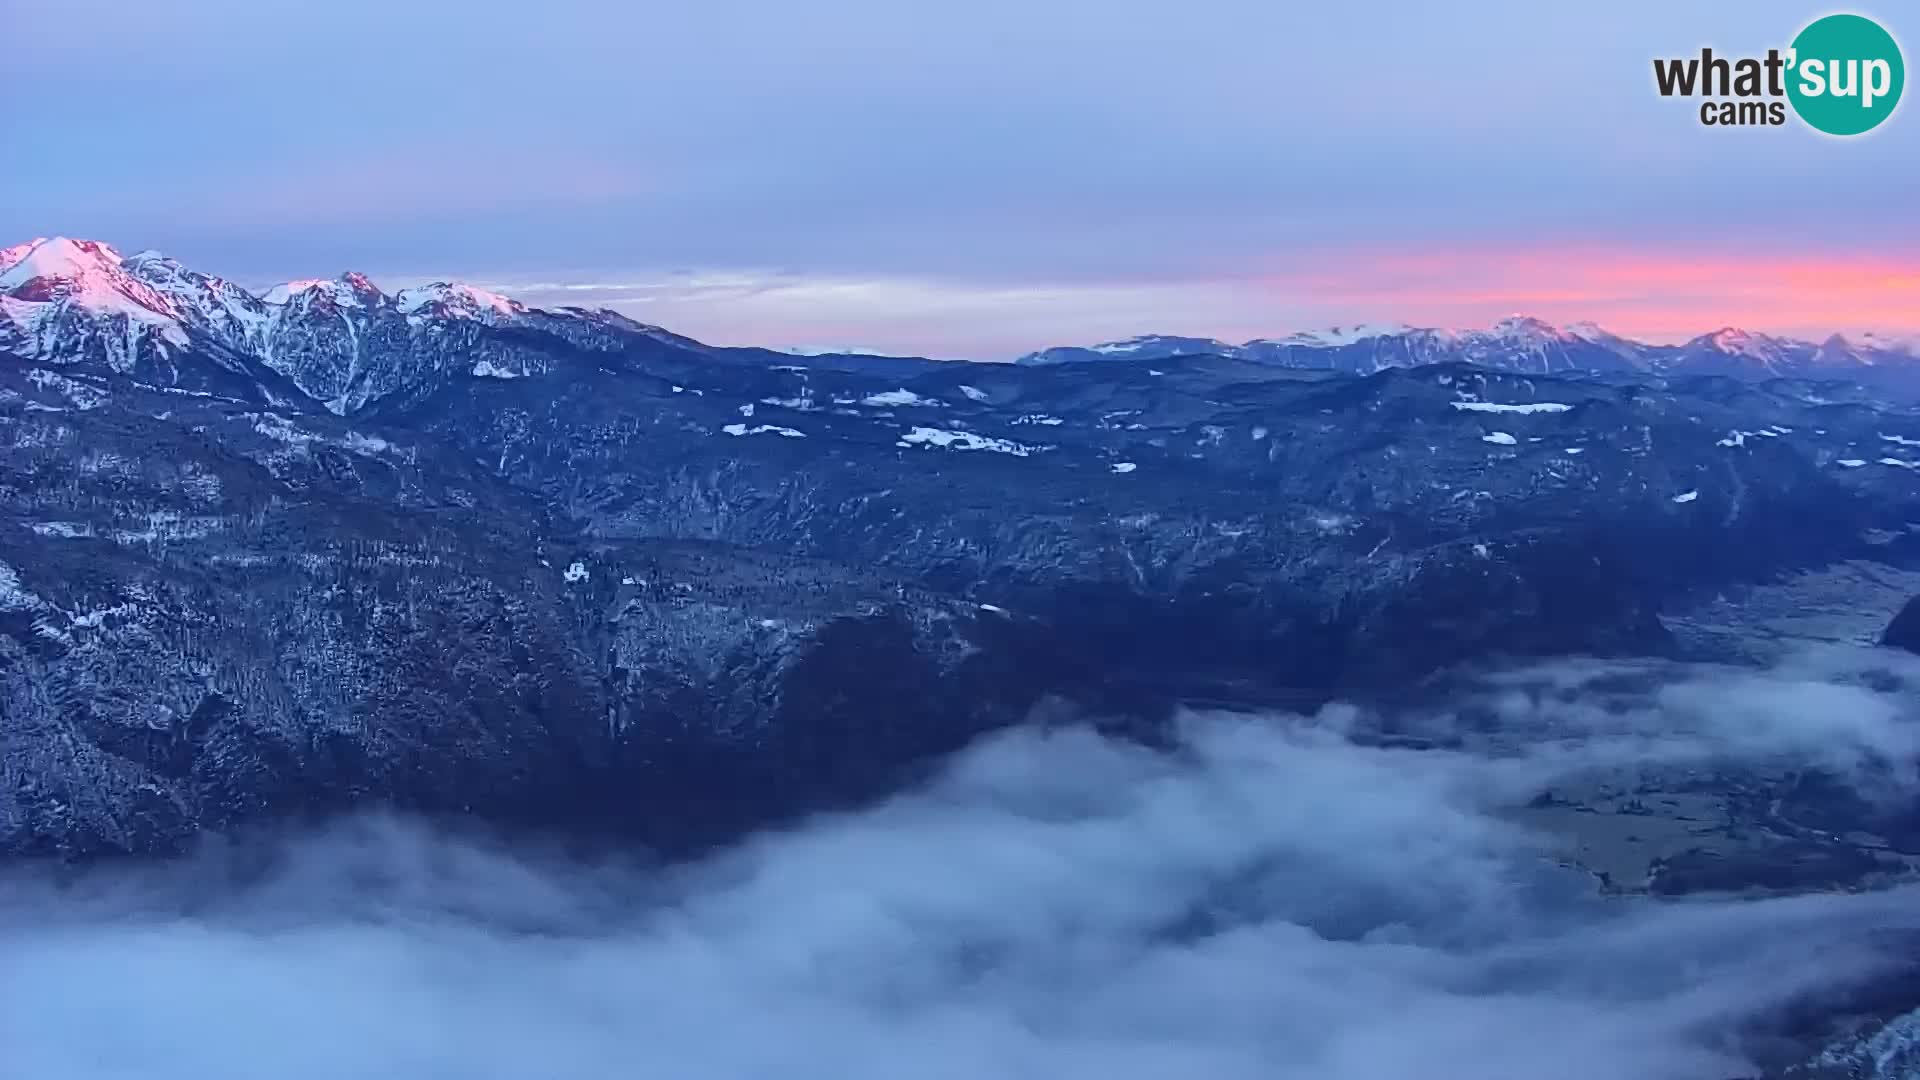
(1641, 292)
(1638, 291)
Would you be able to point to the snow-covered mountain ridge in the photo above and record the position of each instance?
(342, 341)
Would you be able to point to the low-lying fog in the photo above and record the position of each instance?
(1273, 900)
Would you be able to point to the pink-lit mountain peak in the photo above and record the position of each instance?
(455, 299)
(57, 258)
(90, 275)
(1729, 339)
(1526, 327)
(11, 255)
(351, 289)
(83, 273)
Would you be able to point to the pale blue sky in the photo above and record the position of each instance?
(960, 178)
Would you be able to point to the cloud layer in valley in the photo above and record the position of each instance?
(1279, 896)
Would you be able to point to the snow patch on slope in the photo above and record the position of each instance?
(965, 440)
(901, 397)
(1497, 407)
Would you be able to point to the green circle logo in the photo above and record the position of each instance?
(1845, 74)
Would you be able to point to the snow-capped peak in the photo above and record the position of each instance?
(1593, 332)
(77, 301)
(12, 255)
(56, 290)
(455, 300)
(348, 290)
(287, 290)
(1743, 343)
(214, 306)
(84, 274)
(58, 259)
(167, 274)
(1596, 335)
(1512, 330)
(1528, 329)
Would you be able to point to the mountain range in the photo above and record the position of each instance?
(344, 343)
(1520, 343)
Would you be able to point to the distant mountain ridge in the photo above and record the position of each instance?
(1528, 345)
